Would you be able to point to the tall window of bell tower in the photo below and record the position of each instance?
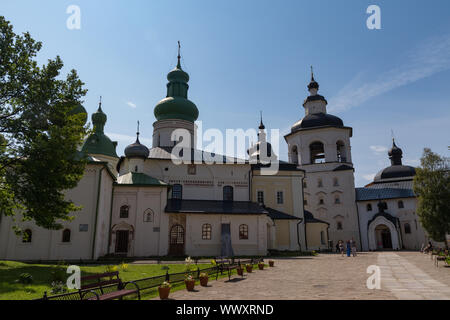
(340, 150)
(294, 155)
(317, 152)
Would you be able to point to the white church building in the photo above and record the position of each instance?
(143, 204)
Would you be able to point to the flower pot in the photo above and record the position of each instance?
(164, 293)
(249, 268)
(261, 266)
(190, 284)
(240, 271)
(271, 263)
(204, 281)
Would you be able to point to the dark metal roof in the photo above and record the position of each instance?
(136, 150)
(139, 179)
(316, 120)
(309, 218)
(364, 194)
(343, 167)
(213, 207)
(282, 166)
(278, 215)
(395, 171)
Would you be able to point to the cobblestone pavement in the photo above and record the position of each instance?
(331, 276)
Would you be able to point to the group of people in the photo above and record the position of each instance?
(349, 248)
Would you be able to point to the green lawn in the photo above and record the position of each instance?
(10, 271)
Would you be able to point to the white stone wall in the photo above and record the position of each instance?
(256, 244)
(47, 244)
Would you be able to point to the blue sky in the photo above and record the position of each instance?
(246, 56)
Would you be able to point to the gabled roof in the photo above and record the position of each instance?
(365, 194)
(213, 207)
(139, 179)
(309, 218)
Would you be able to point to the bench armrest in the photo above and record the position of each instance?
(133, 283)
(90, 291)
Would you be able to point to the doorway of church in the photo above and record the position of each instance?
(384, 237)
(122, 241)
(176, 241)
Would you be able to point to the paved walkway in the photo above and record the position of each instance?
(332, 277)
(407, 281)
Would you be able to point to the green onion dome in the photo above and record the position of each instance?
(98, 142)
(176, 105)
(79, 109)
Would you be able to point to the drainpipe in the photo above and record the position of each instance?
(110, 219)
(359, 226)
(96, 210)
(298, 235)
(304, 225)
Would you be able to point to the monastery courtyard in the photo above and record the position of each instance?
(404, 275)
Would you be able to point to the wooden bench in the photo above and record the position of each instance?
(109, 289)
(441, 258)
(229, 265)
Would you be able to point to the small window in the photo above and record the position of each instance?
(400, 204)
(339, 225)
(177, 191)
(280, 199)
(335, 182)
(27, 236)
(337, 200)
(369, 207)
(228, 193)
(320, 183)
(304, 184)
(321, 201)
(148, 215)
(243, 232)
(206, 231)
(260, 196)
(66, 235)
(124, 212)
(192, 169)
(305, 202)
(407, 228)
(322, 237)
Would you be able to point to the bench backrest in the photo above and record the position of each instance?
(100, 282)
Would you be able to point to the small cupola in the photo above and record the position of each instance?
(137, 149)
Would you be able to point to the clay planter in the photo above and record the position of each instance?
(271, 263)
(240, 271)
(204, 281)
(249, 268)
(190, 284)
(163, 293)
(261, 266)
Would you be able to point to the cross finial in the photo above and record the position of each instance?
(261, 125)
(179, 54)
(312, 74)
(137, 128)
(100, 103)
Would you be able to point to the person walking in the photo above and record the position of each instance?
(341, 247)
(349, 248)
(353, 248)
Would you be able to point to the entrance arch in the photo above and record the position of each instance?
(383, 235)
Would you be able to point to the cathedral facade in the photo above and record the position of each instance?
(145, 204)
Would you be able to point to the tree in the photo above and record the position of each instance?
(432, 186)
(40, 132)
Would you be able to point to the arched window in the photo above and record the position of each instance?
(339, 225)
(228, 193)
(177, 191)
(206, 231)
(177, 234)
(294, 154)
(319, 183)
(148, 215)
(400, 204)
(340, 150)
(407, 228)
(66, 235)
(369, 207)
(27, 236)
(305, 202)
(243, 232)
(321, 201)
(317, 152)
(124, 211)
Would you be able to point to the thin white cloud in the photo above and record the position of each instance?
(131, 104)
(369, 177)
(378, 149)
(411, 162)
(428, 58)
